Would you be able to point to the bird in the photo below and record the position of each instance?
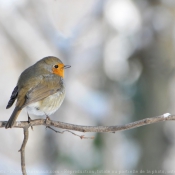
(40, 88)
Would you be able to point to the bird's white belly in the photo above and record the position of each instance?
(47, 106)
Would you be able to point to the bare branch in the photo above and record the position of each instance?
(62, 132)
(68, 127)
(22, 150)
(57, 124)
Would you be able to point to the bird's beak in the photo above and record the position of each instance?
(66, 66)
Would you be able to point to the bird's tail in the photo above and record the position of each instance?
(13, 118)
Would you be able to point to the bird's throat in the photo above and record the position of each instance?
(59, 71)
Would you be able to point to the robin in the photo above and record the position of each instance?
(40, 88)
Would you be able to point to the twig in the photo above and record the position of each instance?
(22, 150)
(62, 132)
(57, 124)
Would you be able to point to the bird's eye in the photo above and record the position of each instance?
(56, 66)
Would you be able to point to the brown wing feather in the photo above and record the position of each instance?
(49, 86)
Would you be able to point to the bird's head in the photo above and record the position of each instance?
(54, 65)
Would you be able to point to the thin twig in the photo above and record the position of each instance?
(22, 150)
(57, 124)
(62, 132)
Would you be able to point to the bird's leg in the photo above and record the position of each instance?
(47, 119)
(29, 119)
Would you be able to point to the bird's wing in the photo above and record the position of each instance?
(46, 86)
(13, 97)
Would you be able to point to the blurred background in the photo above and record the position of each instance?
(122, 58)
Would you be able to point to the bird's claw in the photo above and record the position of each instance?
(29, 120)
